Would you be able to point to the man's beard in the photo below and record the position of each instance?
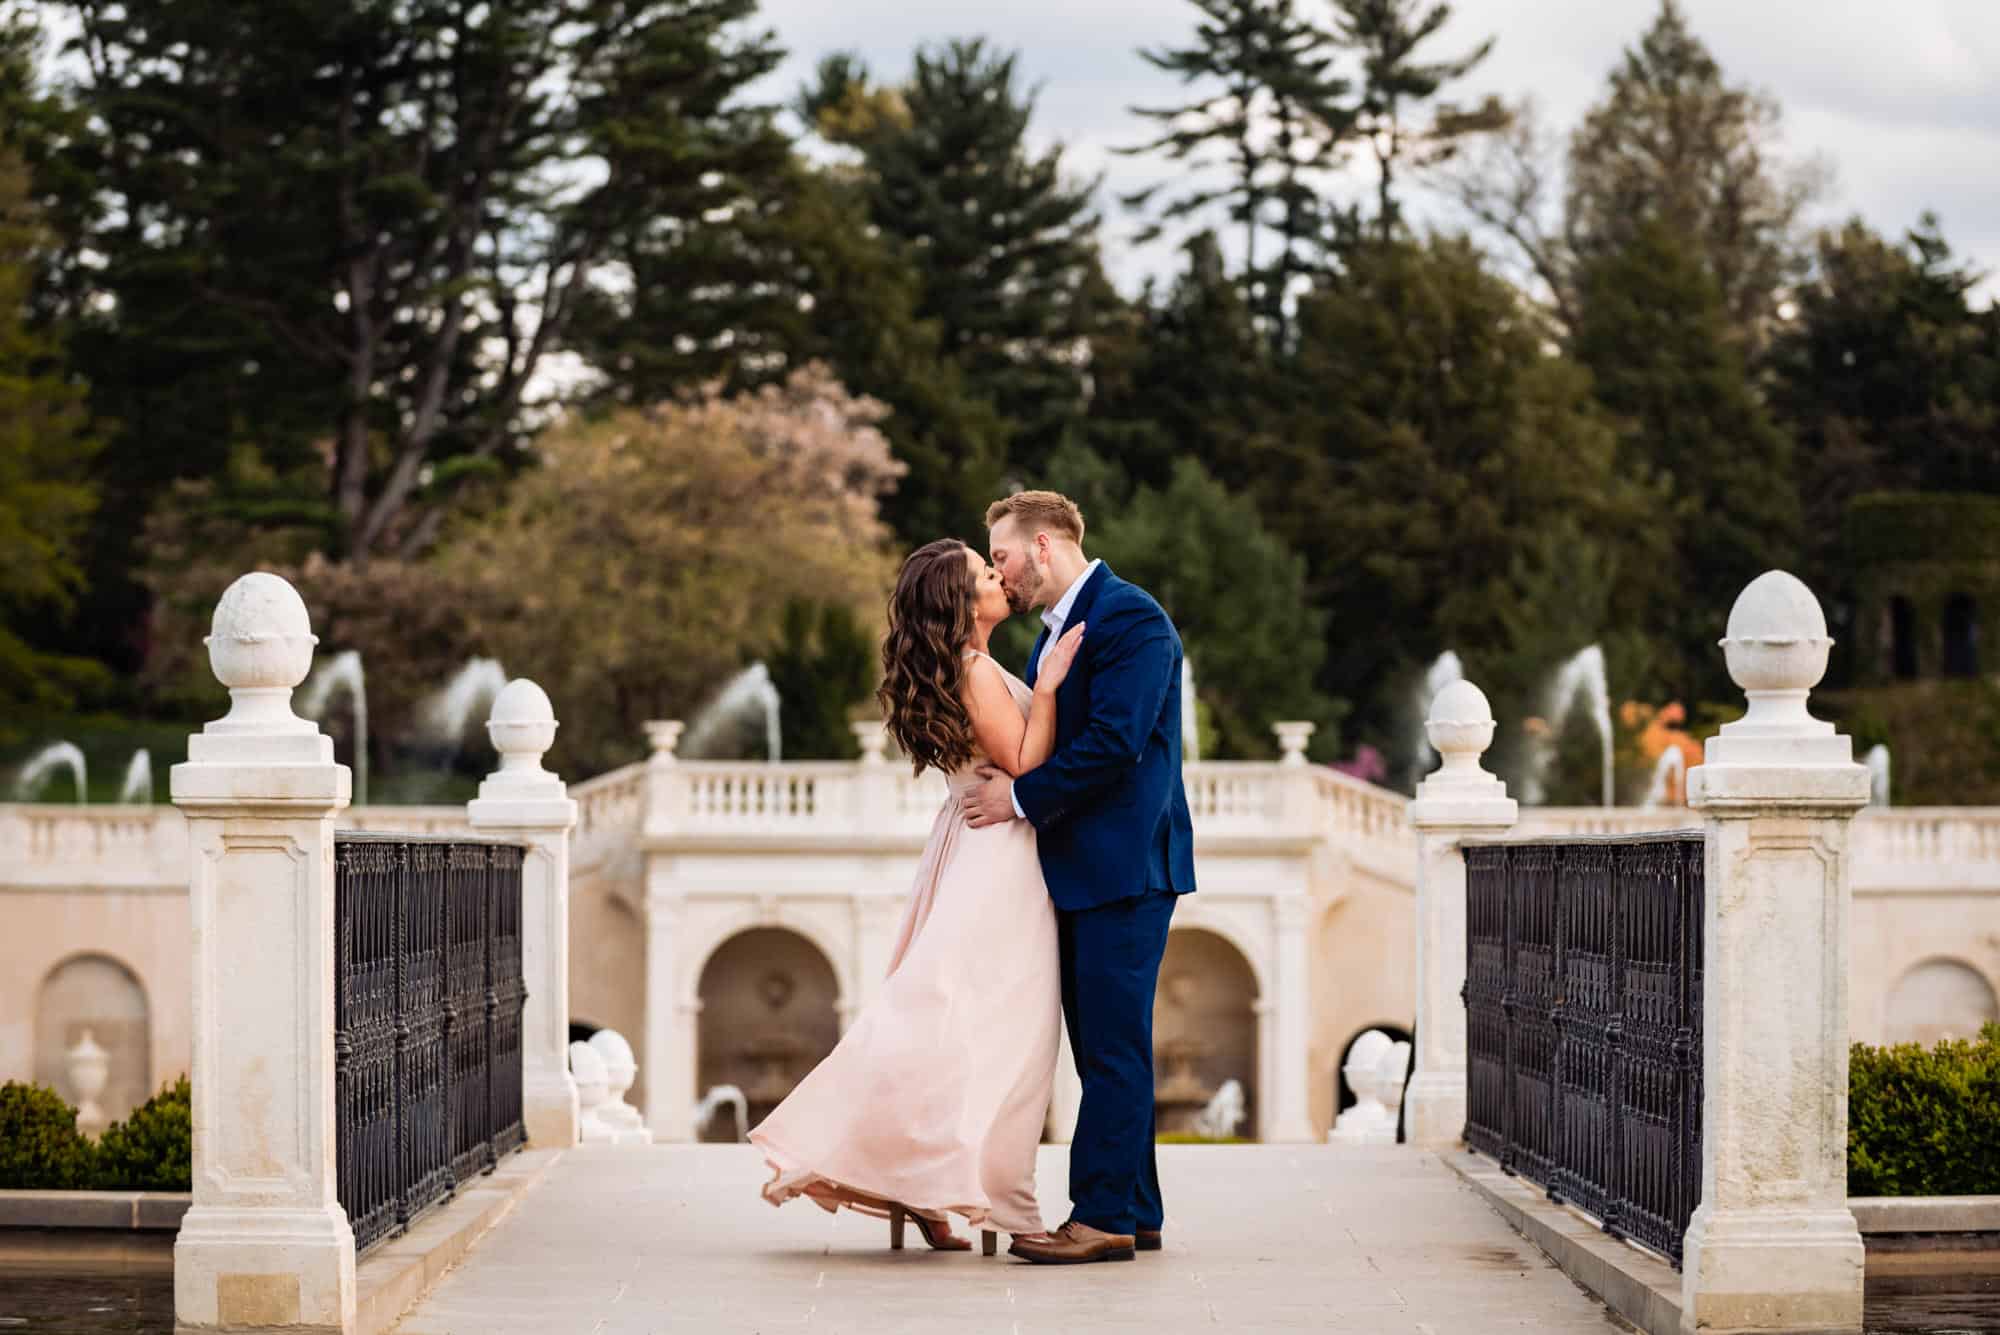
(1021, 597)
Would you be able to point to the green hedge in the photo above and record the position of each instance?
(40, 1147)
(1925, 1121)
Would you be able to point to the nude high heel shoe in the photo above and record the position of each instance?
(938, 1235)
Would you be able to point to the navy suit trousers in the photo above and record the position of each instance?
(1110, 957)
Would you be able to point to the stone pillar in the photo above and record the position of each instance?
(1773, 1245)
(1290, 1112)
(525, 804)
(265, 1242)
(1459, 801)
(670, 1022)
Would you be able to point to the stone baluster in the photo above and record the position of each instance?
(265, 1242)
(523, 803)
(1459, 801)
(1773, 1245)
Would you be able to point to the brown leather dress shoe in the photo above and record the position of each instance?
(1074, 1244)
(1146, 1239)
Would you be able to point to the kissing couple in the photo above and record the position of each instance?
(1043, 898)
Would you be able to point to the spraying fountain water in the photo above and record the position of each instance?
(1190, 725)
(718, 1098)
(343, 671)
(468, 695)
(60, 755)
(1671, 768)
(1877, 761)
(1443, 671)
(138, 786)
(749, 689)
(1585, 673)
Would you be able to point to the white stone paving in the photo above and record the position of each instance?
(1259, 1238)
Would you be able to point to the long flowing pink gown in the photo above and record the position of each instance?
(936, 1096)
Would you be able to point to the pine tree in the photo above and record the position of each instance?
(1003, 241)
(1655, 335)
(1674, 141)
(1432, 460)
(1395, 84)
(374, 227)
(1279, 120)
(45, 447)
(1887, 378)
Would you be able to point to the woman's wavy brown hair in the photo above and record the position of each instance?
(930, 623)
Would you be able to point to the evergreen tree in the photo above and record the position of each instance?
(824, 666)
(45, 448)
(1675, 142)
(373, 228)
(1275, 110)
(1439, 469)
(1003, 242)
(1654, 333)
(1386, 34)
(1887, 378)
(1198, 381)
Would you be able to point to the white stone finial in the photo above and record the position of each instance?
(620, 1070)
(1292, 739)
(665, 737)
(522, 726)
(586, 1066)
(1460, 727)
(260, 645)
(1777, 647)
(873, 737)
(89, 1069)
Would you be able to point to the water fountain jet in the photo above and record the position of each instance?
(57, 755)
(749, 689)
(1585, 672)
(343, 672)
(138, 786)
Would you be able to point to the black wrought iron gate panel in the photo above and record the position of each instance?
(428, 1000)
(1583, 1024)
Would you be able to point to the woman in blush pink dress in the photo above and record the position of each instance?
(934, 1100)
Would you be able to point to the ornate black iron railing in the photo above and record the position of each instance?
(1583, 1024)
(427, 1030)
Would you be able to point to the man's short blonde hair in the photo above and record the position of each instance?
(1039, 512)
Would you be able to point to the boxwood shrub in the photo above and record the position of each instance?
(1925, 1121)
(40, 1147)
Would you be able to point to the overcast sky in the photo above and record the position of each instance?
(1900, 97)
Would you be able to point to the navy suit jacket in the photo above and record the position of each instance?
(1109, 810)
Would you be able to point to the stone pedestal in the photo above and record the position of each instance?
(525, 804)
(1288, 1116)
(265, 1243)
(1460, 801)
(1773, 1246)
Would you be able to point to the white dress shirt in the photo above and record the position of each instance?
(1056, 618)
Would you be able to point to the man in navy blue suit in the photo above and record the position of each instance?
(1117, 850)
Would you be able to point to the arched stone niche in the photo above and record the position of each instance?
(99, 994)
(768, 1015)
(1204, 1027)
(1937, 999)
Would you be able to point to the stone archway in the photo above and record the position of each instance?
(1939, 998)
(769, 1014)
(1205, 1020)
(98, 994)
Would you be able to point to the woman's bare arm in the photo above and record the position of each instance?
(1014, 745)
